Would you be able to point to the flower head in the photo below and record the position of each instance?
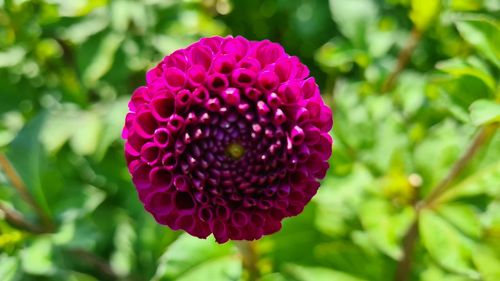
(228, 136)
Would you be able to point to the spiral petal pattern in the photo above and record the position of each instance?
(227, 137)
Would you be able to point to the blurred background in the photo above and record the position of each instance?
(413, 192)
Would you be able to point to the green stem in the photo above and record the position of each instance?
(403, 269)
(250, 257)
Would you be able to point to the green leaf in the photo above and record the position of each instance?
(463, 217)
(458, 67)
(384, 226)
(302, 273)
(483, 33)
(37, 258)
(86, 136)
(353, 18)
(488, 263)
(484, 112)
(27, 156)
(112, 119)
(9, 267)
(191, 258)
(11, 57)
(483, 181)
(423, 13)
(445, 244)
(103, 60)
(123, 257)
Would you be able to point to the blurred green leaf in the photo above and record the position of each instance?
(423, 13)
(353, 18)
(122, 258)
(9, 267)
(488, 263)
(483, 33)
(445, 244)
(87, 133)
(484, 181)
(301, 273)
(190, 258)
(484, 112)
(11, 57)
(103, 59)
(384, 226)
(458, 67)
(463, 217)
(37, 258)
(27, 156)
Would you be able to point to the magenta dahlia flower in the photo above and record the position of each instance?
(228, 136)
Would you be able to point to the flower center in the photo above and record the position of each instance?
(235, 150)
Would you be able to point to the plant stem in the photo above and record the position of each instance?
(19, 185)
(482, 136)
(403, 59)
(17, 220)
(403, 269)
(250, 256)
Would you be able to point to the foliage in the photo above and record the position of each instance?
(414, 86)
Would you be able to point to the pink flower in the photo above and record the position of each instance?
(228, 136)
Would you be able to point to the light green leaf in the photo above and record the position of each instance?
(484, 112)
(273, 277)
(483, 33)
(26, 154)
(86, 134)
(424, 12)
(458, 67)
(463, 217)
(123, 257)
(9, 267)
(189, 258)
(445, 244)
(78, 276)
(488, 263)
(302, 273)
(59, 128)
(353, 18)
(103, 59)
(384, 228)
(485, 181)
(11, 56)
(113, 118)
(37, 258)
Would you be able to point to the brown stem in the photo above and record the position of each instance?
(403, 59)
(404, 265)
(403, 269)
(482, 136)
(249, 253)
(94, 261)
(17, 220)
(19, 185)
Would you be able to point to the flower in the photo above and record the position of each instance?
(228, 136)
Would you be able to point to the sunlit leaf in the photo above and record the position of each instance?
(483, 33)
(484, 112)
(37, 258)
(445, 244)
(488, 263)
(190, 258)
(463, 217)
(103, 59)
(9, 267)
(458, 67)
(423, 13)
(301, 273)
(353, 18)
